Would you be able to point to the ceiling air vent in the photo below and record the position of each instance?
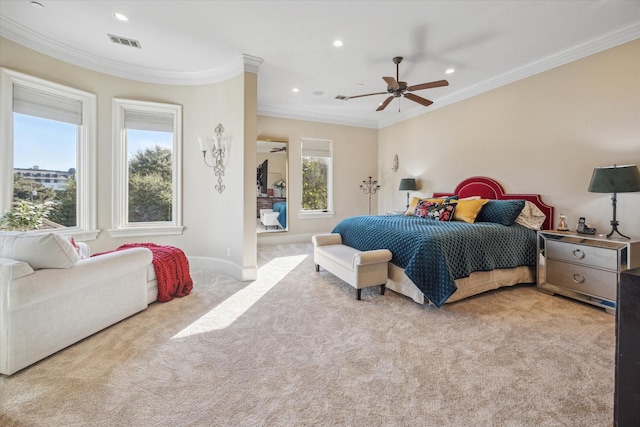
(124, 41)
(342, 97)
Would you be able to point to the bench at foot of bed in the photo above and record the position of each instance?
(360, 269)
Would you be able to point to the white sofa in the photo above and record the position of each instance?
(50, 298)
(360, 269)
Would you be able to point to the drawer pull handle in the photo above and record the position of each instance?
(578, 278)
(578, 254)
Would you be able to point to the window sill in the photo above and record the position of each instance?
(145, 230)
(316, 214)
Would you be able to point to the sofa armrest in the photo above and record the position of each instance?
(326, 239)
(372, 257)
(10, 269)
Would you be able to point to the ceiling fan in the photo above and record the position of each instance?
(276, 149)
(397, 89)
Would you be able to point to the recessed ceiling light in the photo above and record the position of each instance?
(450, 71)
(360, 84)
(37, 5)
(318, 93)
(120, 17)
(338, 43)
(295, 89)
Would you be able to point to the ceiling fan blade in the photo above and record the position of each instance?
(391, 82)
(384, 103)
(367, 94)
(418, 99)
(429, 85)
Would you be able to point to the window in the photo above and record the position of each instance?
(317, 193)
(147, 168)
(48, 130)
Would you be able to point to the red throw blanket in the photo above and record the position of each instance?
(171, 267)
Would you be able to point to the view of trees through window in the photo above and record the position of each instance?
(48, 189)
(316, 175)
(314, 183)
(150, 176)
(45, 169)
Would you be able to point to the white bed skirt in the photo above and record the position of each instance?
(476, 283)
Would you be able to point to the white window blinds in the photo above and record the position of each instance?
(34, 102)
(148, 120)
(312, 148)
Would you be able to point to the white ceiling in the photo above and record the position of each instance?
(489, 43)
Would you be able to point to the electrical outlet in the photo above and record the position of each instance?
(228, 251)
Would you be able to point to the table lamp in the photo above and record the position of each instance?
(615, 179)
(408, 184)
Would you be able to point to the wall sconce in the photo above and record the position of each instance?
(218, 151)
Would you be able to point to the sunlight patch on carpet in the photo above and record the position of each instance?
(237, 304)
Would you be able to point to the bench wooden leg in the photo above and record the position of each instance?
(317, 268)
(382, 288)
(358, 293)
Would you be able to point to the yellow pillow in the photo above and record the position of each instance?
(467, 210)
(414, 203)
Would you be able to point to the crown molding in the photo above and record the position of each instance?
(286, 113)
(36, 41)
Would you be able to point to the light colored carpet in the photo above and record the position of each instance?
(295, 348)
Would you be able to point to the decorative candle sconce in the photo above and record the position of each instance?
(369, 187)
(218, 151)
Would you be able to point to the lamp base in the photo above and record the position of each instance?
(614, 229)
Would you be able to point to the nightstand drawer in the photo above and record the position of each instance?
(583, 279)
(591, 256)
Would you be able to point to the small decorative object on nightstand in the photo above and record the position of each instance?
(584, 267)
(562, 224)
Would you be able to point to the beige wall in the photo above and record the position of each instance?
(355, 156)
(543, 134)
(213, 222)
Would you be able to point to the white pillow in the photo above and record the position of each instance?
(531, 216)
(39, 250)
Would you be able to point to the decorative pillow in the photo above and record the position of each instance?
(414, 203)
(39, 250)
(502, 212)
(467, 210)
(437, 211)
(77, 248)
(531, 216)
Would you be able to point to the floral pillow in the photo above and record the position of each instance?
(433, 210)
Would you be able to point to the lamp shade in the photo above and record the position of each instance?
(614, 179)
(408, 184)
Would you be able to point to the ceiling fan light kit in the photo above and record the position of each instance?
(397, 89)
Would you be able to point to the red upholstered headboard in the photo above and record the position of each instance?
(487, 188)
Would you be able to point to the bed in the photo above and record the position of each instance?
(439, 262)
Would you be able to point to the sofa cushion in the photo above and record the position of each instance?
(39, 250)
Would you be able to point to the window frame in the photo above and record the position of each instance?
(86, 174)
(317, 213)
(121, 227)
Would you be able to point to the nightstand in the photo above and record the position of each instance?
(586, 268)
